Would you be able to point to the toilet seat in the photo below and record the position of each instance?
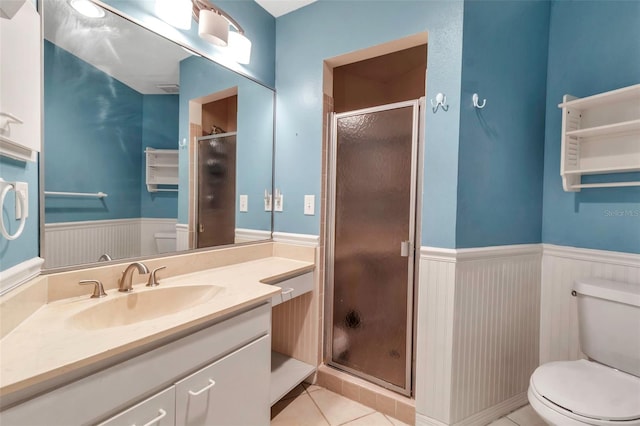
(587, 392)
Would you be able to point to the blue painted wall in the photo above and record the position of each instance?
(593, 47)
(159, 131)
(92, 134)
(306, 37)
(200, 77)
(258, 24)
(501, 146)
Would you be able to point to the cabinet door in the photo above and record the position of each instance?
(159, 410)
(232, 391)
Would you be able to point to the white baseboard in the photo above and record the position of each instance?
(297, 239)
(19, 274)
(482, 418)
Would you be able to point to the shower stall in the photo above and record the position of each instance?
(371, 232)
(216, 190)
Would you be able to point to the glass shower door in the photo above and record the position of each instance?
(216, 190)
(374, 155)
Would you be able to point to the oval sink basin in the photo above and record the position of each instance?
(131, 308)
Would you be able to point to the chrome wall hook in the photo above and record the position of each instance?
(441, 100)
(475, 98)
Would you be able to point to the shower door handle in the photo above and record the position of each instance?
(405, 248)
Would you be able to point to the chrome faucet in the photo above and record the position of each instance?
(125, 285)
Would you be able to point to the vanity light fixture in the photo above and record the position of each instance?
(213, 28)
(220, 29)
(175, 12)
(87, 8)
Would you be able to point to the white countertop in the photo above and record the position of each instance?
(49, 344)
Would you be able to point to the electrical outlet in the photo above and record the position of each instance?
(244, 203)
(309, 205)
(23, 188)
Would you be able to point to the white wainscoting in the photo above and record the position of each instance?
(73, 243)
(478, 328)
(561, 266)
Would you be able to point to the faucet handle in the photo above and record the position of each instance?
(98, 289)
(153, 282)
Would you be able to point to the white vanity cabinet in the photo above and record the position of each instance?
(159, 410)
(232, 391)
(234, 352)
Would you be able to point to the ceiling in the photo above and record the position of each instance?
(282, 7)
(107, 46)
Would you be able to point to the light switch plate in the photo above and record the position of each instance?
(267, 202)
(22, 187)
(309, 205)
(278, 202)
(244, 203)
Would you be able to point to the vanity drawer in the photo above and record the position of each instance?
(233, 391)
(159, 410)
(293, 287)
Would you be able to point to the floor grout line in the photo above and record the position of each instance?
(317, 406)
(389, 420)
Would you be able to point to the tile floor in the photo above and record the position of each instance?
(311, 405)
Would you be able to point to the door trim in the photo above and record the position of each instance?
(411, 261)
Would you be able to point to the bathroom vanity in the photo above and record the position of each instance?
(195, 350)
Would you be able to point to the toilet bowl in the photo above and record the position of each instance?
(572, 393)
(165, 242)
(604, 390)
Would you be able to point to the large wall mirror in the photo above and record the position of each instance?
(149, 148)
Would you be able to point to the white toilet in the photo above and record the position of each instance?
(604, 390)
(165, 242)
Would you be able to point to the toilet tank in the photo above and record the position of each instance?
(609, 322)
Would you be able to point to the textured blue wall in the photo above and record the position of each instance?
(501, 146)
(306, 37)
(258, 24)
(92, 134)
(159, 131)
(593, 47)
(200, 77)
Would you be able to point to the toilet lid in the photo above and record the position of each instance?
(589, 389)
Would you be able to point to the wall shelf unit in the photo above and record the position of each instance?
(162, 169)
(600, 135)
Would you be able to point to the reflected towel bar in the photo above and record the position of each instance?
(76, 194)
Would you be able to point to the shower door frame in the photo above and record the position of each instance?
(414, 228)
